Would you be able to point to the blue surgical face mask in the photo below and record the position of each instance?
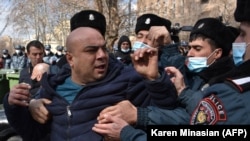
(239, 50)
(197, 64)
(138, 45)
(18, 51)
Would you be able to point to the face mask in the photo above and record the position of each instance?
(239, 50)
(5, 55)
(125, 50)
(138, 45)
(197, 64)
(59, 53)
(18, 51)
(47, 52)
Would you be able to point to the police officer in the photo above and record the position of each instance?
(48, 55)
(6, 59)
(18, 59)
(58, 55)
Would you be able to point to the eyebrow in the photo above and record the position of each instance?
(104, 45)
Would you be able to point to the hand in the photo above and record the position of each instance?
(177, 78)
(159, 35)
(145, 62)
(112, 129)
(124, 110)
(38, 110)
(19, 95)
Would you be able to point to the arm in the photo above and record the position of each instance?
(20, 118)
(155, 116)
(116, 128)
(159, 86)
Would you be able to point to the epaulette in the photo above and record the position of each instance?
(242, 84)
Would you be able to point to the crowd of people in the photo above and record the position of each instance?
(19, 59)
(97, 95)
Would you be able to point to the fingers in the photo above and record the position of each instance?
(159, 35)
(139, 53)
(112, 110)
(112, 128)
(101, 128)
(39, 111)
(176, 78)
(19, 95)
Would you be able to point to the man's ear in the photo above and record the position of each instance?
(69, 58)
(218, 53)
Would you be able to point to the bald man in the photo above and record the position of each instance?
(37, 73)
(39, 70)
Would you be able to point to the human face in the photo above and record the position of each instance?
(244, 36)
(35, 55)
(201, 48)
(125, 45)
(87, 55)
(143, 36)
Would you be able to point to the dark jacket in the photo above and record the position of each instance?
(6, 62)
(18, 61)
(170, 55)
(129, 133)
(74, 121)
(25, 77)
(122, 56)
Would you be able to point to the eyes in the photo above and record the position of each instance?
(94, 49)
(37, 54)
(196, 48)
(125, 44)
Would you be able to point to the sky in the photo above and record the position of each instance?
(4, 6)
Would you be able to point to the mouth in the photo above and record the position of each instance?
(101, 68)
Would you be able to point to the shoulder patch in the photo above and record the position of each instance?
(209, 111)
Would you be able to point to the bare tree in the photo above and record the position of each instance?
(48, 21)
(4, 9)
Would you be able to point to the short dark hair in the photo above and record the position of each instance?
(210, 41)
(34, 43)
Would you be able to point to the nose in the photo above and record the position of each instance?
(38, 56)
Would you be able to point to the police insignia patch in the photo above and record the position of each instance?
(147, 21)
(201, 25)
(209, 111)
(91, 17)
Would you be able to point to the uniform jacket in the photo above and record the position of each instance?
(6, 62)
(221, 103)
(74, 121)
(197, 83)
(224, 103)
(128, 133)
(18, 61)
(47, 58)
(170, 56)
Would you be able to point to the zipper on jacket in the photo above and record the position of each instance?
(68, 111)
(69, 114)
